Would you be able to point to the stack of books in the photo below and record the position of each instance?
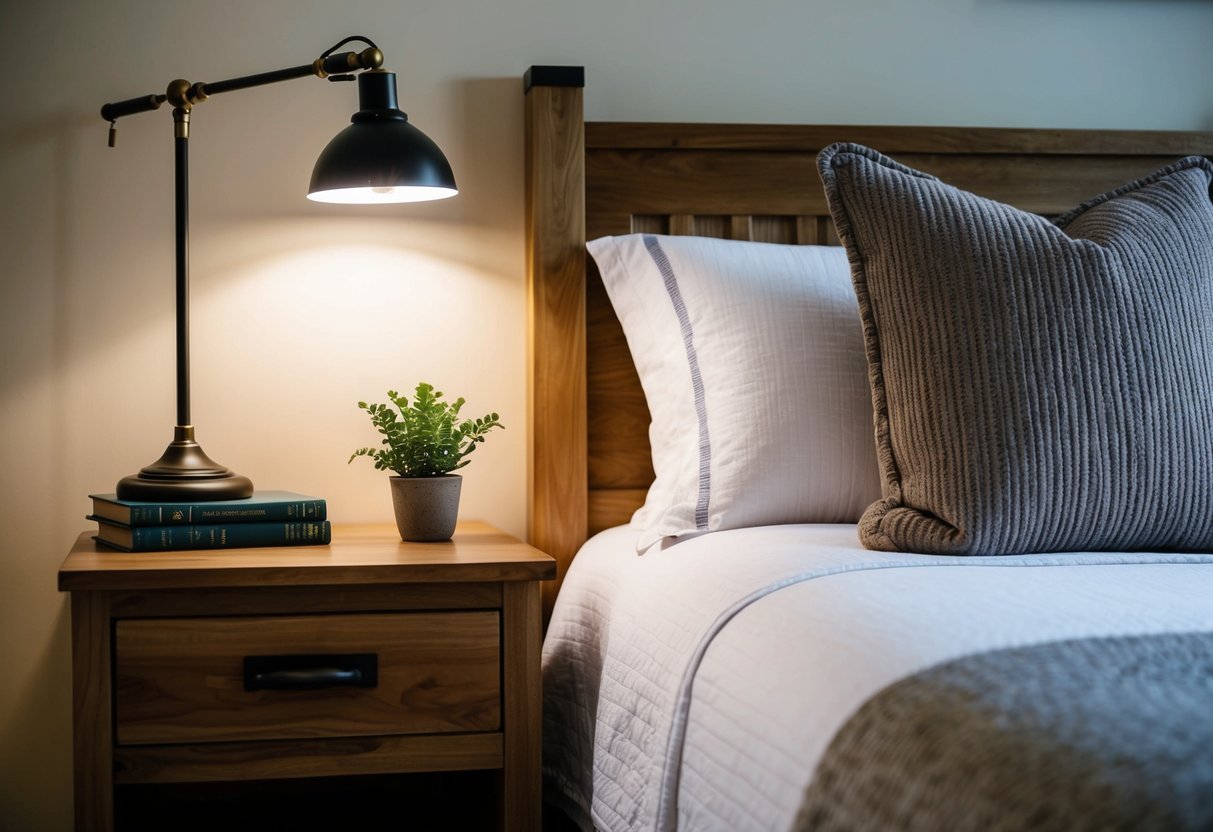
(268, 518)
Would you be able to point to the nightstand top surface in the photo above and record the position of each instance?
(359, 554)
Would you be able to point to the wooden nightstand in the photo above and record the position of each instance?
(404, 657)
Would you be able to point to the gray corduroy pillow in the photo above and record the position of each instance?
(1037, 386)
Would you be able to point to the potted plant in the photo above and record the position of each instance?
(424, 441)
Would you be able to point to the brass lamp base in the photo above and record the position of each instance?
(184, 472)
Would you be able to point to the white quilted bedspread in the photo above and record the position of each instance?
(696, 687)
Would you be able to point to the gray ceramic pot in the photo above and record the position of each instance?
(426, 507)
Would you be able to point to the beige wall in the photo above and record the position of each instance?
(300, 310)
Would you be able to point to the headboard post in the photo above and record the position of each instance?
(556, 369)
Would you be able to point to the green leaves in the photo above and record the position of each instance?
(424, 438)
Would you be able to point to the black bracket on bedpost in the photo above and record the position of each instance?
(553, 76)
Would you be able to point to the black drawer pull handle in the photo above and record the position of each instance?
(313, 679)
(352, 670)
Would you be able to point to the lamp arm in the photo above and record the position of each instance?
(142, 104)
(183, 95)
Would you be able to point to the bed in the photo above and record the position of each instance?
(782, 675)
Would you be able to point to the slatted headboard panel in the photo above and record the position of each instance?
(801, 230)
(590, 459)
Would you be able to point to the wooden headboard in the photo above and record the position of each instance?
(590, 450)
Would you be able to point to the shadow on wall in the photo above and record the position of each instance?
(489, 126)
(36, 746)
(38, 342)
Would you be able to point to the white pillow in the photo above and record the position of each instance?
(752, 360)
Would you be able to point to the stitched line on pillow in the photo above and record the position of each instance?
(701, 411)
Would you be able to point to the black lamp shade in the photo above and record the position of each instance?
(380, 157)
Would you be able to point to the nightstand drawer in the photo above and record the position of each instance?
(183, 680)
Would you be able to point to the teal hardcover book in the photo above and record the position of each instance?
(262, 507)
(213, 536)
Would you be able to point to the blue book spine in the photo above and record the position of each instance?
(262, 507)
(297, 510)
(216, 536)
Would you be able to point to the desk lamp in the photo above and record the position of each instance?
(378, 158)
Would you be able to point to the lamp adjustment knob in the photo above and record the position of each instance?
(370, 58)
(178, 94)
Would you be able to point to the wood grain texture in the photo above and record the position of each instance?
(92, 712)
(760, 182)
(811, 138)
(555, 223)
(275, 600)
(618, 424)
(723, 183)
(613, 506)
(181, 680)
(741, 227)
(319, 758)
(523, 695)
(371, 554)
